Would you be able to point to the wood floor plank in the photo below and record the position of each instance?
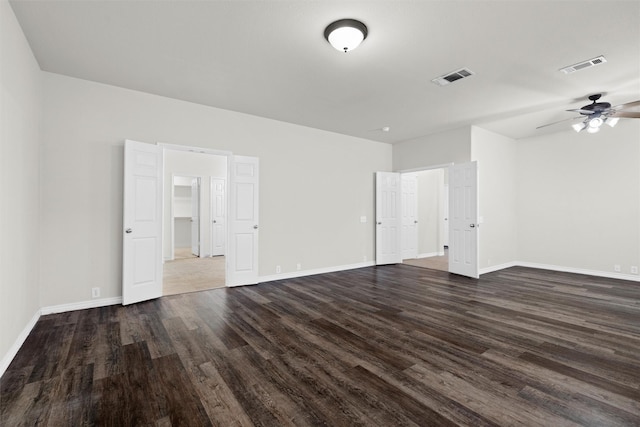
(378, 346)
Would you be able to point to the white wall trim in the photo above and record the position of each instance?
(294, 274)
(13, 350)
(620, 276)
(426, 168)
(192, 149)
(62, 308)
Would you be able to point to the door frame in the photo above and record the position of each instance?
(441, 166)
(172, 254)
(197, 150)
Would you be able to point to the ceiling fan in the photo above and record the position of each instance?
(598, 113)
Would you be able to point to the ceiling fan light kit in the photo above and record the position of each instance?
(346, 34)
(598, 113)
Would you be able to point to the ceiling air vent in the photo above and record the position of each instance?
(452, 77)
(584, 64)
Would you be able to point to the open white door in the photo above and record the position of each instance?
(142, 220)
(195, 216)
(242, 257)
(409, 216)
(463, 219)
(218, 220)
(388, 219)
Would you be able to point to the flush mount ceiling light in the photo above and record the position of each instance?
(345, 34)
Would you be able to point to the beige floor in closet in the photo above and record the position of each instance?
(188, 273)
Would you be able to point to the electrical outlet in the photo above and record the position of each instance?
(616, 268)
(95, 292)
(634, 269)
(278, 269)
(298, 266)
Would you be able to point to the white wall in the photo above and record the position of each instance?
(314, 185)
(20, 117)
(453, 146)
(496, 156)
(204, 166)
(578, 202)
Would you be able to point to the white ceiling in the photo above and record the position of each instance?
(269, 58)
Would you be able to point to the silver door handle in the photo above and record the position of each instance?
(255, 227)
(379, 223)
(128, 230)
(472, 225)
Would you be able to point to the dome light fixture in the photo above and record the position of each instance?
(345, 34)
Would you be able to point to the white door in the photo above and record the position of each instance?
(142, 220)
(445, 206)
(242, 258)
(195, 216)
(463, 219)
(409, 216)
(388, 220)
(218, 220)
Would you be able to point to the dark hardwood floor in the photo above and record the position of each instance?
(379, 346)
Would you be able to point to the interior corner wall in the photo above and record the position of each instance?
(497, 191)
(314, 185)
(20, 116)
(204, 166)
(452, 146)
(578, 202)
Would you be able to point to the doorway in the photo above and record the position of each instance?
(425, 218)
(194, 260)
(146, 218)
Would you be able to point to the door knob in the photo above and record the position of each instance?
(415, 222)
(255, 227)
(379, 223)
(214, 221)
(128, 230)
(472, 225)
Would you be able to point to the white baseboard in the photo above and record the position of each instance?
(302, 273)
(62, 308)
(607, 274)
(430, 254)
(8, 357)
(498, 267)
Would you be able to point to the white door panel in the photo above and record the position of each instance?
(218, 216)
(142, 241)
(388, 218)
(409, 216)
(195, 216)
(242, 258)
(463, 219)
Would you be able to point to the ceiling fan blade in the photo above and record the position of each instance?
(628, 115)
(578, 110)
(627, 105)
(559, 121)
